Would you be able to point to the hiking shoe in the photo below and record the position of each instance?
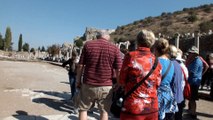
(75, 111)
(90, 112)
(194, 117)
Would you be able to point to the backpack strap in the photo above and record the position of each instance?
(167, 70)
(140, 83)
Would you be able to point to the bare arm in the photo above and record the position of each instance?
(79, 74)
(117, 73)
(205, 65)
(65, 63)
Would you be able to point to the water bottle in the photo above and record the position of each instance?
(120, 102)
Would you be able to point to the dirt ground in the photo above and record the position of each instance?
(37, 89)
(32, 88)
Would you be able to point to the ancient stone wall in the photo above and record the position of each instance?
(206, 44)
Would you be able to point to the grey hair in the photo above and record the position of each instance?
(145, 38)
(172, 51)
(102, 33)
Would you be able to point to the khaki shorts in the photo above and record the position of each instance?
(94, 94)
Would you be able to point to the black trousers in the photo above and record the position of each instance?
(178, 115)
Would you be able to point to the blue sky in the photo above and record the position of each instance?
(47, 22)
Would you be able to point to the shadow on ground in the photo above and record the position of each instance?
(23, 115)
(63, 95)
(205, 115)
(55, 63)
(62, 104)
(59, 105)
(205, 96)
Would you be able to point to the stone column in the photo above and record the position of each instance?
(177, 39)
(197, 39)
(159, 36)
(210, 32)
(70, 51)
(67, 56)
(59, 55)
(127, 45)
(193, 35)
(119, 45)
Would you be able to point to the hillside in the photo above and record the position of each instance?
(187, 21)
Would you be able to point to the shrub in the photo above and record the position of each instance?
(192, 18)
(207, 10)
(148, 20)
(166, 23)
(206, 26)
(122, 39)
(185, 9)
(136, 22)
(163, 13)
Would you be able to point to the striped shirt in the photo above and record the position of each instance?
(99, 57)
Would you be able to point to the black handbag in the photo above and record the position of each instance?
(118, 101)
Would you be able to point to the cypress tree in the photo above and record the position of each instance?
(20, 42)
(8, 39)
(43, 49)
(1, 42)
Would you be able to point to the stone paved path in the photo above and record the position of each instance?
(38, 91)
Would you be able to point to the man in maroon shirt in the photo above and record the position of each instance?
(98, 60)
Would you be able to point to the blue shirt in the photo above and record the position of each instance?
(195, 71)
(168, 78)
(166, 100)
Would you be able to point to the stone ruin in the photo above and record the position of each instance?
(24, 56)
(203, 41)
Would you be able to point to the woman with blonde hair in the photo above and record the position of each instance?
(166, 101)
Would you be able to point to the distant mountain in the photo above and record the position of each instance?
(184, 22)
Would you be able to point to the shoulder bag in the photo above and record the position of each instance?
(117, 104)
(186, 89)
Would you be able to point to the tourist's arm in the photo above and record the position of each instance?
(65, 63)
(79, 74)
(205, 65)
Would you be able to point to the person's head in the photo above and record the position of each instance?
(145, 38)
(103, 34)
(74, 54)
(180, 55)
(172, 51)
(211, 56)
(193, 50)
(161, 47)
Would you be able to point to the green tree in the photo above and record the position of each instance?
(8, 39)
(39, 48)
(26, 47)
(20, 42)
(79, 43)
(53, 50)
(32, 50)
(1, 42)
(43, 49)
